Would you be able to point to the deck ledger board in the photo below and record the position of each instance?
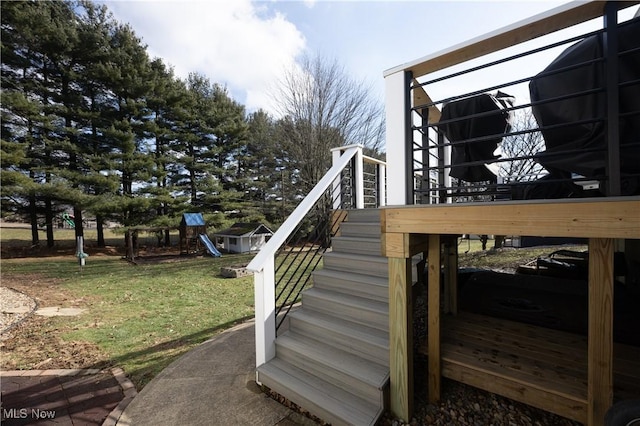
(585, 218)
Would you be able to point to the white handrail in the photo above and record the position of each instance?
(263, 264)
(281, 235)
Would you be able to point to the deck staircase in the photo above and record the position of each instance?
(333, 358)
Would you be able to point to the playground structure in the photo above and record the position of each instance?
(133, 237)
(193, 239)
(192, 226)
(211, 248)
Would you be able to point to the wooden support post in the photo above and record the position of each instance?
(400, 338)
(433, 318)
(450, 262)
(600, 346)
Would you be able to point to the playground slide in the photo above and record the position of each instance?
(211, 248)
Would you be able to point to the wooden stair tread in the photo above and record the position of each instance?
(356, 257)
(355, 330)
(350, 276)
(366, 371)
(347, 299)
(319, 397)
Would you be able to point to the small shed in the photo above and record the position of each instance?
(244, 237)
(191, 226)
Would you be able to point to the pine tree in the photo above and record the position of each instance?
(166, 102)
(37, 37)
(125, 112)
(259, 166)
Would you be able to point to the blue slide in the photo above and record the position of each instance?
(213, 251)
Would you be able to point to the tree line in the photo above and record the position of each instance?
(91, 123)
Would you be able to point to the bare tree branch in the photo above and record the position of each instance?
(323, 108)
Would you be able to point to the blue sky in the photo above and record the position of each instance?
(246, 45)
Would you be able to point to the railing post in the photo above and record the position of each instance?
(611, 48)
(398, 138)
(382, 187)
(337, 183)
(359, 178)
(265, 307)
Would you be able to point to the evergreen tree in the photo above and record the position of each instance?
(166, 103)
(260, 167)
(96, 26)
(36, 38)
(128, 78)
(212, 129)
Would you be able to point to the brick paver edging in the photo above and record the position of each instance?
(128, 389)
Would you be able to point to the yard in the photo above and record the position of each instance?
(138, 317)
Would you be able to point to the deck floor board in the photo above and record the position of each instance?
(539, 366)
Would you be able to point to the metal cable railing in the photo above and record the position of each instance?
(574, 133)
(302, 253)
(284, 266)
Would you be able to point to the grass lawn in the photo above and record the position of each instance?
(142, 317)
(470, 254)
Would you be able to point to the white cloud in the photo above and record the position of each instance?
(235, 43)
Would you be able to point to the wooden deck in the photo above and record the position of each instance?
(410, 230)
(538, 366)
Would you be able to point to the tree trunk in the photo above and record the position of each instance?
(33, 218)
(100, 230)
(48, 212)
(77, 219)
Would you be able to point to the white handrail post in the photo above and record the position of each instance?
(359, 177)
(337, 190)
(400, 161)
(382, 187)
(265, 307)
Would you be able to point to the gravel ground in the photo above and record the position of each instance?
(461, 404)
(14, 307)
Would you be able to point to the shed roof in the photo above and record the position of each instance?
(241, 229)
(192, 219)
